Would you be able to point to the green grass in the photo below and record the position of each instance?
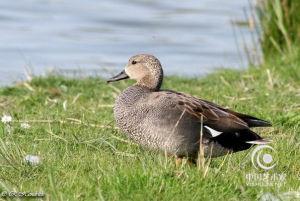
(84, 157)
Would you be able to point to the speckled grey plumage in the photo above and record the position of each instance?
(170, 121)
(153, 119)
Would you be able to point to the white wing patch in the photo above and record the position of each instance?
(213, 132)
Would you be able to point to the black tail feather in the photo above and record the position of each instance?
(254, 122)
(237, 140)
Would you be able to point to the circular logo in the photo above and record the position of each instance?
(264, 157)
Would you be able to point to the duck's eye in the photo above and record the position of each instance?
(133, 62)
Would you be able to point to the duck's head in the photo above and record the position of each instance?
(145, 69)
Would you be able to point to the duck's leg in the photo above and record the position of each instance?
(192, 161)
(178, 161)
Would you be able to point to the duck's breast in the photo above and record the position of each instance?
(128, 112)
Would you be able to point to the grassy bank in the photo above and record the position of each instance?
(84, 157)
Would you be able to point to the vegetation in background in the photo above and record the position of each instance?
(280, 22)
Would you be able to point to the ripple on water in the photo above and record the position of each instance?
(43, 34)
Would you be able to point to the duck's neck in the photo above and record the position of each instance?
(151, 82)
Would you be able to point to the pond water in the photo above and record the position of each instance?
(191, 37)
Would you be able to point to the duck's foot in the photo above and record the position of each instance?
(180, 161)
(192, 161)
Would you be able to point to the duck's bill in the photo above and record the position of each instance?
(120, 76)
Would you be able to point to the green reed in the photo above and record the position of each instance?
(280, 23)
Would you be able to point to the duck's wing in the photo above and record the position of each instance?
(250, 120)
(213, 115)
(227, 128)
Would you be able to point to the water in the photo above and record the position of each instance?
(190, 37)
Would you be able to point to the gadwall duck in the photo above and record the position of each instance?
(175, 122)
